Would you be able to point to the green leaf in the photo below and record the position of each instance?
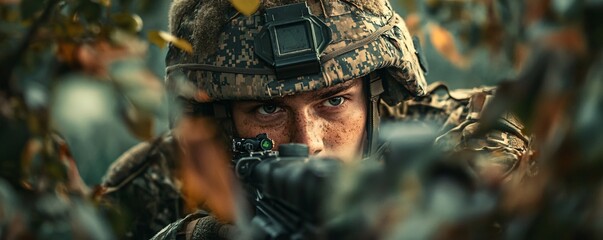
(89, 10)
(14, 135)
(9, 13)
(29, 8)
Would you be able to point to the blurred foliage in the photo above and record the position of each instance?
(441, 35)
(556, 191)
(88, 38)
(161, 38)
(246, 7)
(84, 69)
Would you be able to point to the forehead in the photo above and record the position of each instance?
(355, 84)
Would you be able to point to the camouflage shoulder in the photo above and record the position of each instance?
(440, 106)
(126, 163)
(177, 229)
(456, 114)
(500, 153)
(197, 226)
(133, 162)
(142, 186)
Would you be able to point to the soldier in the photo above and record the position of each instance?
(320, 72)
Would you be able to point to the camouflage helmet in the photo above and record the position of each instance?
(366, 36)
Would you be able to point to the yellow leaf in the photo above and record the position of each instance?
(246, 7)
(161, 38)
(443, 41)
(156, 39)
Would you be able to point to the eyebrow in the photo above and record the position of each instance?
(320, 94)
(329, 92)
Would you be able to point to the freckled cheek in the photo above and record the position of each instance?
(343, 138)
(280, 137)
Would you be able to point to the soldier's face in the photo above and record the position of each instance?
(330, 121)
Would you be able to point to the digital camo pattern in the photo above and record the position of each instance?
(198, 225)
(180, 229)
(143, 187)
(502, 149)
(393, 50)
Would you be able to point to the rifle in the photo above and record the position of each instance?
(290, 191)
(286, 187)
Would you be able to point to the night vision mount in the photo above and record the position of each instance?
(292, 40)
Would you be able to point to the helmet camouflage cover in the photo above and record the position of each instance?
(366, 35)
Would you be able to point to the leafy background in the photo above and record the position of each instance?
(91, 71)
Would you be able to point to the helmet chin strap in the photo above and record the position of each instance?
(374, 88)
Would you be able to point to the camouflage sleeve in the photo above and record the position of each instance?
(197, 226)
(141, 191)
(500, 153)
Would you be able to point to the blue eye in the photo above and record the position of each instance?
(333, 102)
(268, 109)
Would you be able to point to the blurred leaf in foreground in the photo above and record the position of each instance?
(246, 7)
(161, 39)
(29, 8)
(206, 173)
(443, 41)
(142, 93)
(128, 22)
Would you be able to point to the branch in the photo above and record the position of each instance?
(11, 61)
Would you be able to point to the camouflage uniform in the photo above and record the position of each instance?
(457, 113)
(366, 40)
(143, 187)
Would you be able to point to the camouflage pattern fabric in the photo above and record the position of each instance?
(457, 112)
(198, 225)
(346, 58)
(143, 187)
(180, 229)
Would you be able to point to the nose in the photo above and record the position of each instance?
(308, 130)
